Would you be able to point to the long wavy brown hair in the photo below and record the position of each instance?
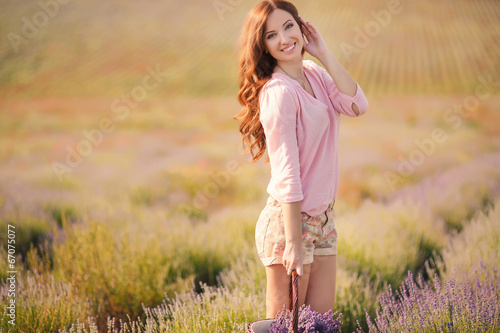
(255, 69)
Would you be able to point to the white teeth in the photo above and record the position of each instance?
(289, 48)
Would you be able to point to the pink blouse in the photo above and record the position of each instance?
(302, 136)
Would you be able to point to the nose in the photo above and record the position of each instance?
(283, 39)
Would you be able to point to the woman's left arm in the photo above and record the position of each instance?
(316, 47)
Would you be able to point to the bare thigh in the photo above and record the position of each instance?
(278, 288)
(322, 282)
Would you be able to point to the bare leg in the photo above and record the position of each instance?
(322, 281)
(278, 288)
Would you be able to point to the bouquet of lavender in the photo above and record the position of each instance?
(309, 321)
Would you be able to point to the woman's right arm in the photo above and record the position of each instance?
(278, 114)
(293, 255)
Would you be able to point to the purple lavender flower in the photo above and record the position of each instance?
(453, 306)
(309, 321)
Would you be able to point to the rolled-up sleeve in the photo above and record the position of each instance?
(278, 115)
(343, 102)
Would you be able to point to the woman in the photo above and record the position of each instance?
(292, 107)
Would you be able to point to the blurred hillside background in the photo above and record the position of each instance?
(121, 168)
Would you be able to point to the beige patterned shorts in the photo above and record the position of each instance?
(319, 236)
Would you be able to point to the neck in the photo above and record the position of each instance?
(294, 69)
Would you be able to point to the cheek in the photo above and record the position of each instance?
(270, 44)
(298, 33)
(266, 44)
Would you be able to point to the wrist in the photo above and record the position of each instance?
(294, 240)
(327, 58)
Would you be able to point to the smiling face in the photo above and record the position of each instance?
(283, 37)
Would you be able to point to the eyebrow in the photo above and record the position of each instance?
(282, 25)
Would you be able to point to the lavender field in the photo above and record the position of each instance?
(126, 205)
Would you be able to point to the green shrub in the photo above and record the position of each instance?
(29, 231)
(389, 240)
(476, 247)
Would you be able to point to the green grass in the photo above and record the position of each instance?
(44, 304)
(475, 247)
(389, 240)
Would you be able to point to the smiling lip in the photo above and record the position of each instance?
(290, 48)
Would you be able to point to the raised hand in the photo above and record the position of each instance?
(315, 44)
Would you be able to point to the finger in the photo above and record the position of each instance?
(291, 267)
(311, 27)
(306, 31)
(304, 25)
(300, 270)
(309, 35)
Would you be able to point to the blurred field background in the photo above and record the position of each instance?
(154, 226)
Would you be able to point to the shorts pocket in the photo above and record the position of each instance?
(330, 231)
(326, 219)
